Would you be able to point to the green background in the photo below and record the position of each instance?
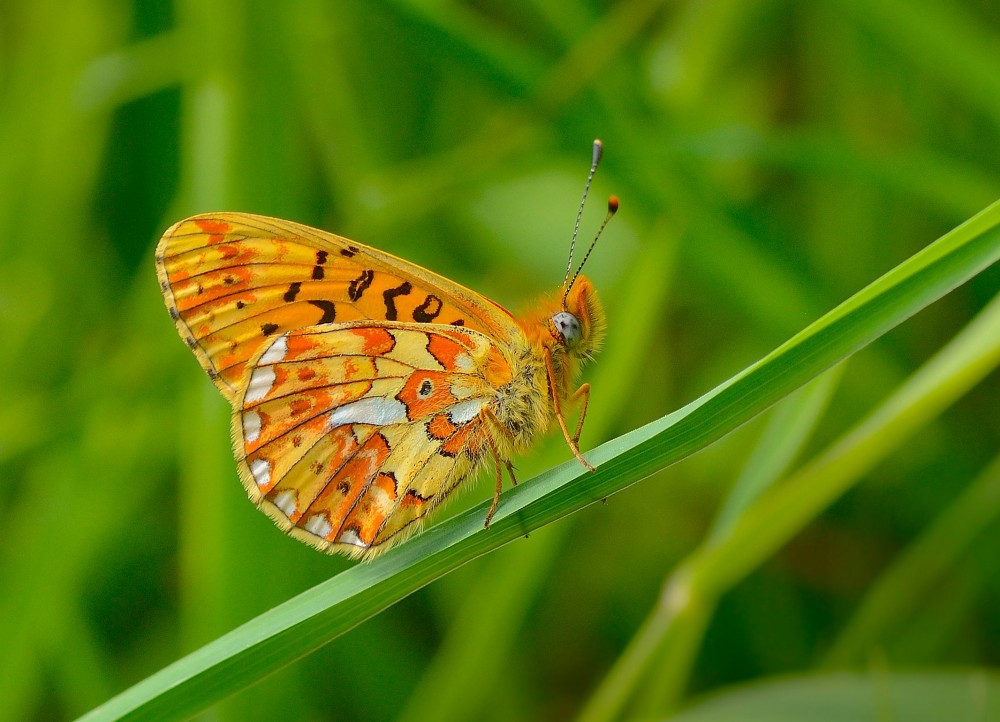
(771, 158)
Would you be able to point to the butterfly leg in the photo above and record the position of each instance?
(499, 486)
(497, 426)
(558, 409)
(584, 393)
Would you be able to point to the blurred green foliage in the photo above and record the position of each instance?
(771, 157)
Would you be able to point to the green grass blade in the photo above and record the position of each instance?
(731, 552)
(310, 620)
(791, 425)
(769, 524)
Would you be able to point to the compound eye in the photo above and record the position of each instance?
(568, 327)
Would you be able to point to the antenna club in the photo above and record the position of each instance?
(612, 205)
(598, 152)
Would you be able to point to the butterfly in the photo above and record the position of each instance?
(364, 388)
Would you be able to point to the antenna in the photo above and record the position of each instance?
(612, 209)
(598, 152)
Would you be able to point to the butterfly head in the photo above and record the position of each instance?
(579, 326)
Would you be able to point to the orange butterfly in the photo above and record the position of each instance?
(364, 388)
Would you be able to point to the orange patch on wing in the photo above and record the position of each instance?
(413, 500)
(387, 484)
(299, 345)
(233, 363)
(300, 406)
(377, 341)
(425, 393)
(212, 226)
(280, 380)
(440, 427)
(446, 351)
(457, 442)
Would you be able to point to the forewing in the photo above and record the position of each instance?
(347, 434)
(234, 282)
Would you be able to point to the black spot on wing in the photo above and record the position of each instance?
(390, 299)
(268, 328)
(359, 285)
(292, 292)
(329, 309)
(458, 322)
(350, 251)
(317, 273)
(428, 310)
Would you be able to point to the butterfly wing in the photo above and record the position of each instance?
(347, 434)
(233, 282)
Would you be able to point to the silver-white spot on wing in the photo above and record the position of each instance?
(375, 411)
(351, 537)
(261, 470)
(464, 362)
(465, 411)
(286, 502)
(251, 426)
(261, 381)
(319, 525)
(276, 352)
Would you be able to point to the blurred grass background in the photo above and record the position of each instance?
(771, 157)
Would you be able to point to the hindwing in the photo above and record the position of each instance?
(347, 434)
